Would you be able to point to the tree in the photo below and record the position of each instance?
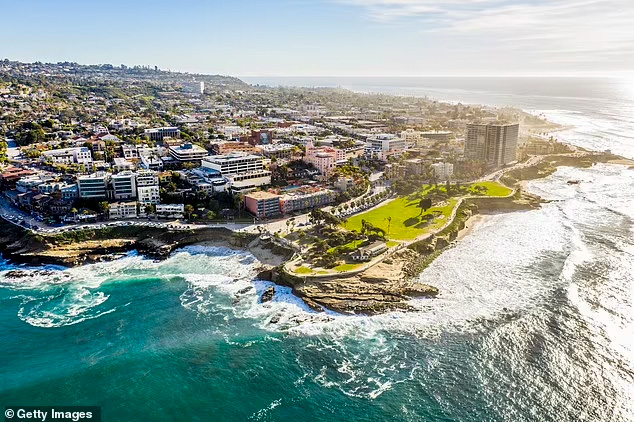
(389, 222)
(424, 204)
(210, 215)
(104, 207)
(189, 209)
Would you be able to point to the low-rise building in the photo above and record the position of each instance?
(170, 210)
(227, 147)
(277, 151)
(67, 191)
(415, 166)
(324, 159)
(305, 198)
(187, 152)
(93, 186)
(79, 155)
(263, 204)
(124, 185)
(247, 182)
(122, 210)
(234, 163)
(29, 183)
(159, 133)
(385, 145)
(121, 164)
(344, 183)
(366, 253)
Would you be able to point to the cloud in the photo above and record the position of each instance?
(597, 32)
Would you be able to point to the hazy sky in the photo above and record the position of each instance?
(328, 37)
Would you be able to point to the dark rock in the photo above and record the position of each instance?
(268, 294)
(245, 290)
(266, 275)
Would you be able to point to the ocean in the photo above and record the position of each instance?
(534, 321)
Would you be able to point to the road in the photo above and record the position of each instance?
(20, 218)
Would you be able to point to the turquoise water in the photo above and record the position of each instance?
(534, 323)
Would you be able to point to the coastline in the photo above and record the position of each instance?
(471, 224)
(387, 286)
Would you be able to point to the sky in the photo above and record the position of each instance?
(329, 37)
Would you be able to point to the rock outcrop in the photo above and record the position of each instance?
(268, 295)
(381, 288)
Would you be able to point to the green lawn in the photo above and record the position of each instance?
(303, 270)
(346, 267)
(349, 247)
(493, 188)
(391, 244)
(407, 223)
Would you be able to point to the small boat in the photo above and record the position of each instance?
(573, 182)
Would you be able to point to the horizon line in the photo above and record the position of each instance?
(629, 74)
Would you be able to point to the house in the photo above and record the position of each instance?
(366, 253)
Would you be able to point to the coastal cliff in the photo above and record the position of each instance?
(95, 245)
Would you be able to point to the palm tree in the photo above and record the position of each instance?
(389, 222)
(189, 209)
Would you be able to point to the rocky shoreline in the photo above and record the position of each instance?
(89, 246)
(386, 286)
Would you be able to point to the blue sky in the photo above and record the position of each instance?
(328, 37)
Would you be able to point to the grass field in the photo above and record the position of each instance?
(407, 221)
(493, 188)
(303, 270)
(406, 218)
(346, 267)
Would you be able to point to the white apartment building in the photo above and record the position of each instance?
(385, 144)
(443, 171)
(121, 164)
(170, 210)
(148, 195)
(93, 186)
(147, 178)
(122, 210)
(244, 172)
(147, 187)
(124, 185)
(67, 190)
(412, 136)
(158, 133)
(129, 151)
(248, 182)
(232, 131)
(151, 162)
(187, 152)
(234, 163)
(79, 155)
(28, 183)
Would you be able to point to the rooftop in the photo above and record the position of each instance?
(262, 195)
